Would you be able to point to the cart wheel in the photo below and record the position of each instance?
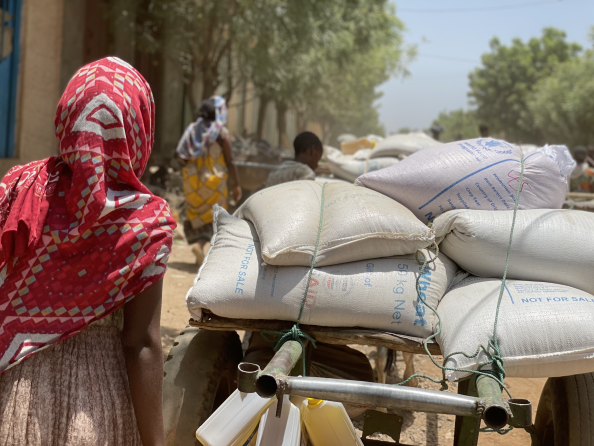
(565, 415)
(200, 373)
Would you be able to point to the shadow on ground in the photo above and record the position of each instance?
(168, 336)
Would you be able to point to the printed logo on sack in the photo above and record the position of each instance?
(338, 284)
(494, 145)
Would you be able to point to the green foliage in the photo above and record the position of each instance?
(563, 103)
(501, 88)
(200, 36)
(362, 50)
(323, 58)
(459, 125)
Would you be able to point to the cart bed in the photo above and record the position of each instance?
(327, 335)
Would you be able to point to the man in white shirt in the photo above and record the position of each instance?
(308, 152)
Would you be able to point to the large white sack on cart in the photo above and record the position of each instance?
(401, 145)
(549, 245)
(357, 224)
(544, 329)
(475, 174)
(379, 294)
(350, 167)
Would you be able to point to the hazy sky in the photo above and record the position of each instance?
(450, 45)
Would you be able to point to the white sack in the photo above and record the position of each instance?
(403, 145)
(548, 245)
(475, 174)
(349, 168)
(322, 180)
(528, 149)
(380, 294)
(544, 329)
(358, 224)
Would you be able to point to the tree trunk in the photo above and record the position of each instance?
(189, 92)
(264, 100)
(209, 84)
(301, 122)
(230, 86)
(281, 124)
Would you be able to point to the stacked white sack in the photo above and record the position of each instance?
(403, 145)
(548, 245)
(377, 294)
(544, 330)
(358, 224)
(350, 167)
(475, 174)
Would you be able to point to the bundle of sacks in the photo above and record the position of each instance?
(364, 270)
(350, 167)
(378, 154)
(467, 189)
(545, 325)
(363, 240)
(402, 145)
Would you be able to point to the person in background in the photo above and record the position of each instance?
(436, 131)
(206, 153)
(84, 248)
(308, 152)
(484, 130)
(582, 177)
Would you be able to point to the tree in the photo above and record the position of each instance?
(500, 89)
(322, 58)
(202, 37)
(360, 55)
(312, 58)
(459, 124)
(276, 58)
(563, 103)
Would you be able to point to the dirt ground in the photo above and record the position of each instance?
(418, 429)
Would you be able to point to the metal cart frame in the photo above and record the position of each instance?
(478, 399)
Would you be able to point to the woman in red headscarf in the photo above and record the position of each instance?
(83, 250)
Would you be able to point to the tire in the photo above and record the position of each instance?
(565, 415)
(200, 373)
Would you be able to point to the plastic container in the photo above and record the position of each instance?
(328, 424)
(283, 431)
(234, 421)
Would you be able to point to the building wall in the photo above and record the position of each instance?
(39, 82)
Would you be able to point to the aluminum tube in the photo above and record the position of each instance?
(382, 395)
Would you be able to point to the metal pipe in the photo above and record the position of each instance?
(496, 411)
(280, 365)
(521, 411)
(372, 394)
(246, 377)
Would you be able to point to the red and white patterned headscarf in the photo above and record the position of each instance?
(80, 235)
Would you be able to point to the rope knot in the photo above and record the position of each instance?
(496, 360)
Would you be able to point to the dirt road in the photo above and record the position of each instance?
(419, 429)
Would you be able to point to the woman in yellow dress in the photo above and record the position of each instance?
(205, 149)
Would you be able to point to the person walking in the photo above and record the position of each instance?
(206, 153)
(83, 249)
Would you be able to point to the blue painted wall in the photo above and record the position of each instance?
(10, 25)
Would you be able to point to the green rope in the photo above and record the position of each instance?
(295, 333)
(493, 351)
